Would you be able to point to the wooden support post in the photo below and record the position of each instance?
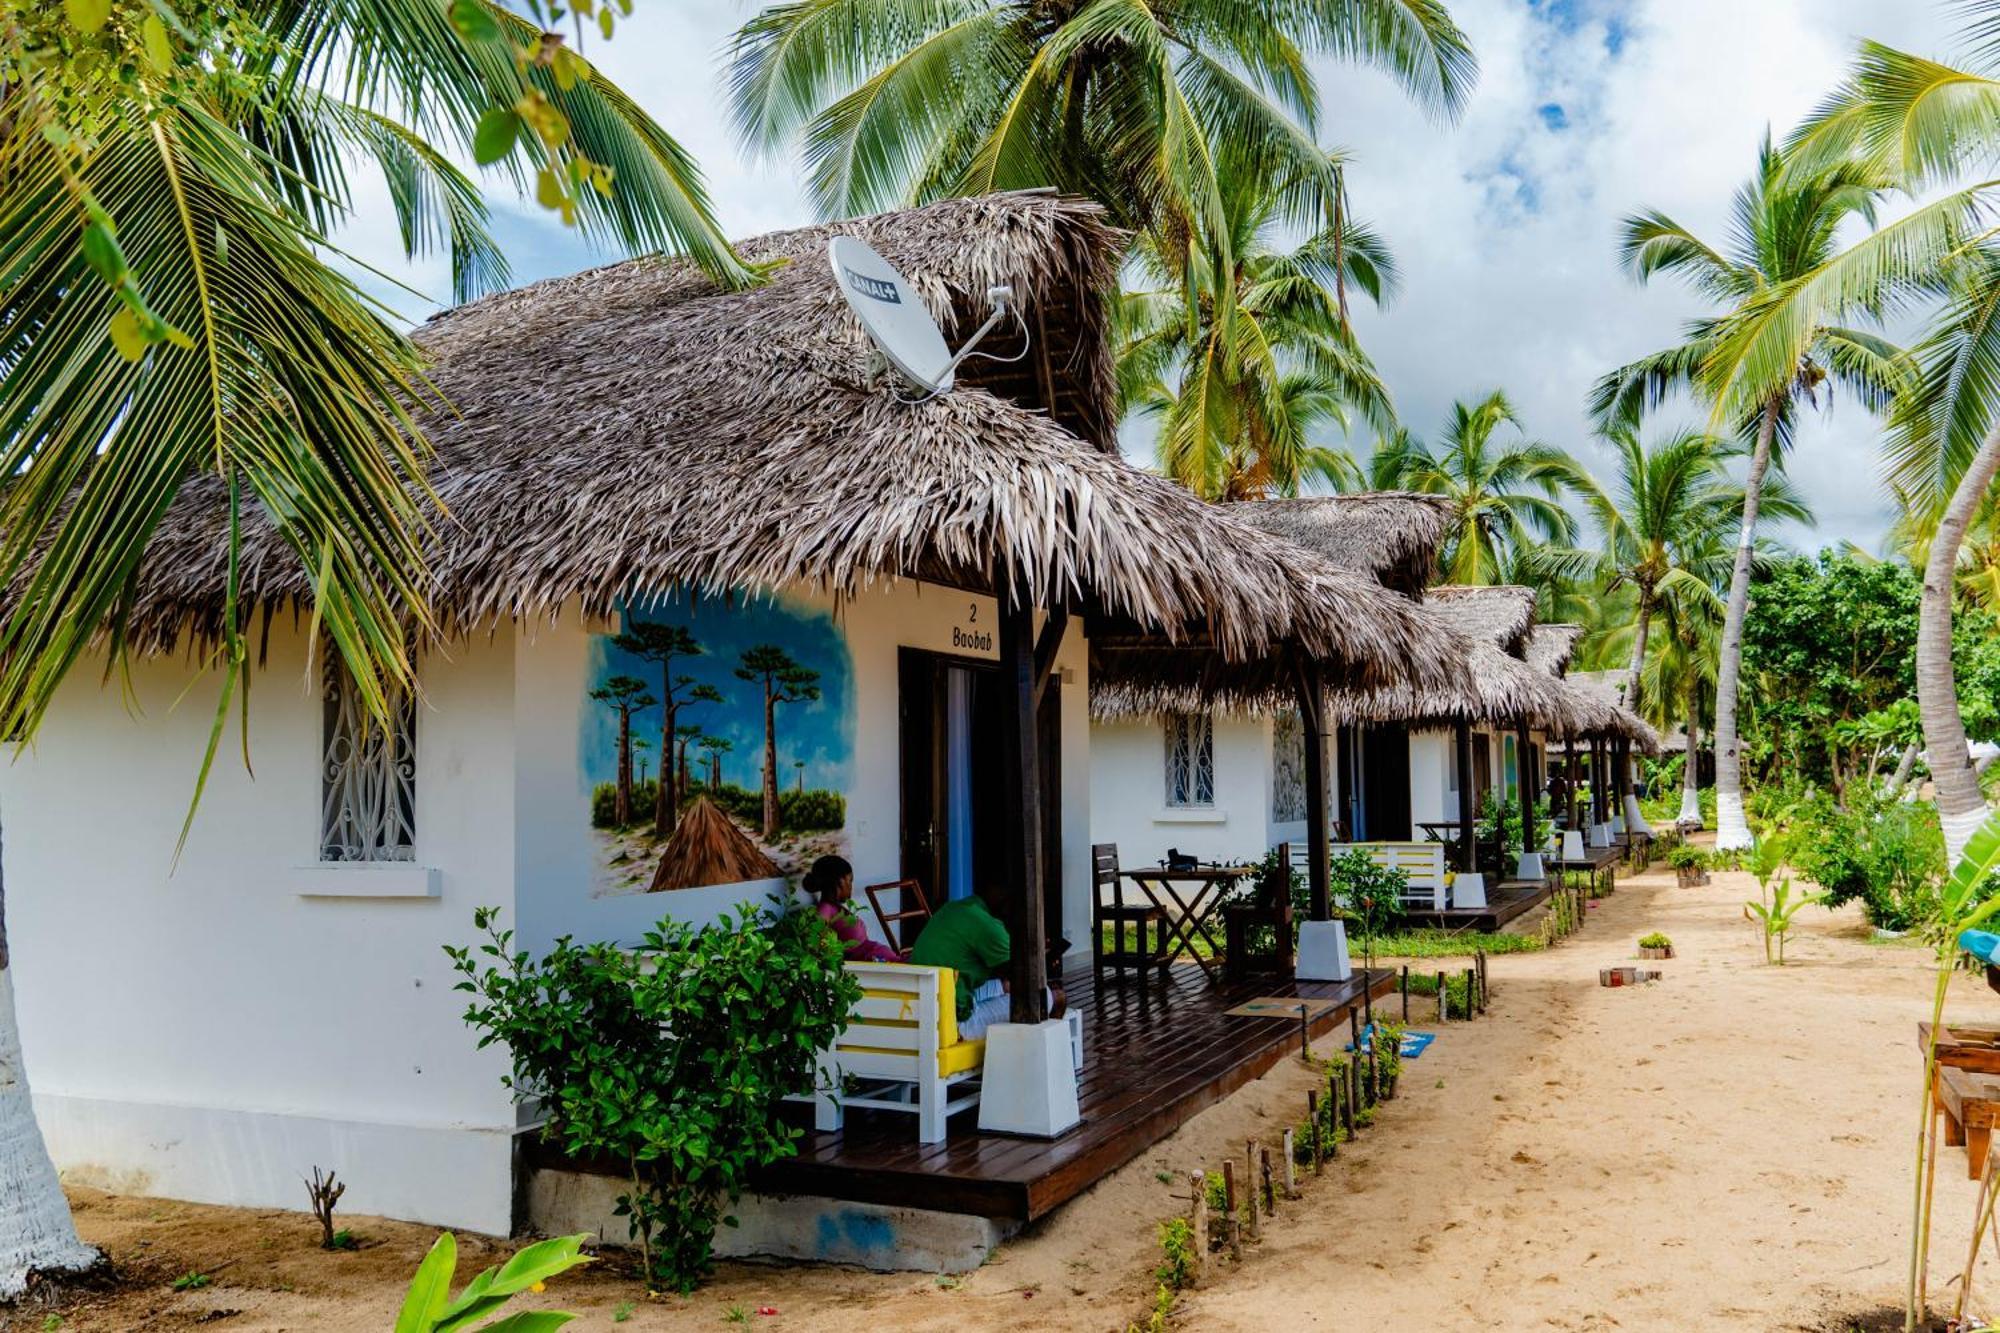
(1468, 813)
(1309, 690)
(1291, 1152)
(1315, 1127)
(1524, 789)
(1270, 1182)
(1250, 1188)
(1234, 1222)
(1021, 779)
(1198, 1223)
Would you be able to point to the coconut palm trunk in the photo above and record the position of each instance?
(1961, 806)
(1732, 829)
(1690, 815)
(36, 1233)
(1639, 632)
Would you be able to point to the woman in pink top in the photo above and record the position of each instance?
(831, 883)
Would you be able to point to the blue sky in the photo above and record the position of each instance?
(1504, 225)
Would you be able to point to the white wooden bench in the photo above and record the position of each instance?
(900, 1051)
(1422, 864)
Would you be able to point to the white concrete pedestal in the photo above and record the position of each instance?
(1323, 952)
(1529, 866)
(1600, 835)
(1028, 1082)
(1634, 819)
(1617, 825)
(1468, 889)
(1572, 848)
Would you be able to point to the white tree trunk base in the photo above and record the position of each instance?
(1690, 816)
(1732, 830)
(1958, 830)
(37, 1235)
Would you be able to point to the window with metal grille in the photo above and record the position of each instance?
(368, 775)
(1190, 760)
(1288, 767)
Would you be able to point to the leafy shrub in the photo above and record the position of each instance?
(810, 811)
(604, 803)
(1176, 1269)
(672, 1056)
(1656, 940)
(1370, 895)
(429, 1308)
(1889, 857)
(1687, 856)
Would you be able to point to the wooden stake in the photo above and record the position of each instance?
(1471, 994)
(1312, 1120)
(1198, 1223)
(1270, 1186)
(1406, 992)
(1351, 1108)
(1234, 1223)
(1250, 1186)
(1333, 1113)
(1291, 1150)
(1444, 1001)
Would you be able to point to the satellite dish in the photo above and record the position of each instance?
(896, 321)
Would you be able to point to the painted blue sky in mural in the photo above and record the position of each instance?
(819, 731)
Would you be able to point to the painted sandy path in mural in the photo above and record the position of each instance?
(1726, 1150)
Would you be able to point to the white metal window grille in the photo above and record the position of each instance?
(1288, 767)
(368, 775)
(1190, 760)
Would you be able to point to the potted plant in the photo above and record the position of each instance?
(1655, 945)
(1690, 865)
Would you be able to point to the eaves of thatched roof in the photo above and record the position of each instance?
(1501, 616)
(1550, 647)
(633, 428)
(1597, 703)
(1391, 536)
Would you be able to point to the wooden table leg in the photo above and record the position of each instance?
(1977, 1139)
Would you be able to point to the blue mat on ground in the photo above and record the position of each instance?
(1414, 1043)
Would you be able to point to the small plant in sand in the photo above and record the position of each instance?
(192, 1281)
(325, 1191)
(1656, 940)
(1177, 1263)
(430, 1307)
(1775, 914)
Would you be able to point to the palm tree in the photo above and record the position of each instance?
(1657, 522)
(167, 310)
(1241, 345)
(1122, 101)
(1770, 348)
(1503, 497)
(1680, 671)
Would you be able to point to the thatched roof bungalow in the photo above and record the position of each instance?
(711, 601)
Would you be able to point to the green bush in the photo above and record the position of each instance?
(1687, 856)
(810, 811)
(1370, 895)
(672, 1056)
(1656, 940)
(1889, 857)
(604, 803)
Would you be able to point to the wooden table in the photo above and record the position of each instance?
(1970, 1104)
(1188, 915)
(1964, 1046)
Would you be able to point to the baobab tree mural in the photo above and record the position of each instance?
(784, 681)
(625, 695)
(664, 645)
(723, 678)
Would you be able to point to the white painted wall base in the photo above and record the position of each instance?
(1323, 952)
(1027, 1084)
(888, 1240)
(457, 1176)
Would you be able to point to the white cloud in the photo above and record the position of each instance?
(1505, 224)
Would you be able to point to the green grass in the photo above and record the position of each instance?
(1457, 991)
(1438, 943)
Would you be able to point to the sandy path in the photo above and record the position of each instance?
(1727, 1149)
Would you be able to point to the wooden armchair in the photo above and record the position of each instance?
(1121, 951)
(914, 906)
(1269, 908)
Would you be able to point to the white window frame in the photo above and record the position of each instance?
(1189, 761)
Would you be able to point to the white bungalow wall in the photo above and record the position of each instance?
(212, 1032)
(1128, 794)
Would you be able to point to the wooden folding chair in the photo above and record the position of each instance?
(1109, 908)
(914, 907)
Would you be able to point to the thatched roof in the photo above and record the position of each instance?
(633, 428)
(1596, 702)
(1550, 647)
(707, 848)
(1501, 616)
(1391, 536)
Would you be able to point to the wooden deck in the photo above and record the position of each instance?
(1155, 1053)
(1515, 898)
